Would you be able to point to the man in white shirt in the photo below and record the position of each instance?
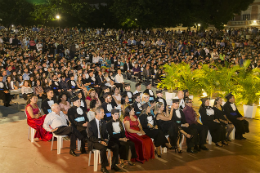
(119, 79)
(57, 123)
(39, 46)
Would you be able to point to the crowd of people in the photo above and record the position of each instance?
(79, 74)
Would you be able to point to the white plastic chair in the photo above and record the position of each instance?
(79, 143)
(209, 138)
(98, 158)
(59, 142)
(32, 130)
(183, 136)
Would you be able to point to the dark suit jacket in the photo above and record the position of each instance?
(145, 73)
(130, 66)
(98, 80)
(114, 137)
(92, 131)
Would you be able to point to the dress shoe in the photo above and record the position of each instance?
(202, 147)
(104, 170)
(242, 137)
(72, 152)
(191, 150)
(116, 169)
(197, 148)
(83, 151)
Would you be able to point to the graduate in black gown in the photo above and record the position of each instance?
(79, 120)
(107, 106)
(128, 92)
(82, 100)
(4, 93)
(220, 114)
(160, 98)
(137, 104)
(150, 128)
(208, 118)
(55, 85)
(178, 117)
(98, 139)
(116, 133)
(149, 91)
(49, 101)
(230, 109)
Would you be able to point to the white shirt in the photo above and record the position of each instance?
(97, 121)
(54, 120)
(119, 78)
(26, 90)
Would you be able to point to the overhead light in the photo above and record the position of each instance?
(58, 17)
(255, 21)
(199, 24)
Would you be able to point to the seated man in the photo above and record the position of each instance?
(235, 117)
(191, 119)
(137, 71)
(119, 79)
(4, 93)
(49, 101)
(98, 139)
(116, 133)
(57, 123)
(107, 106)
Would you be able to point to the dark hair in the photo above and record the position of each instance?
(123, 99)
(114, 88)
(128, 110)
(216, 100)
(93, 103)
(29, 97)
(60, 96)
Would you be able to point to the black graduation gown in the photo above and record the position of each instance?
(6, 97)
(242, 127)
(107, 109)
(217, 131)
(137, 108)
(130, 96)
(156, 134)
(151, 94)
(72, 84)
(160, 99)
(55, 85)
(46, 105)
(77, 118)
(114, 138)
(190, 130)
(83, 104)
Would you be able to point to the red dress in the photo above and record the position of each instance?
(41, 133)
(143, 144)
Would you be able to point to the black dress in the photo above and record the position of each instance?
(178, 117)
(156, 134)
(242, 126)
(137, 108)
(217, 131)
(115, 130)
(162, 100)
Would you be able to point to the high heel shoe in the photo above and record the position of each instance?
(157, 154)
(178, 150)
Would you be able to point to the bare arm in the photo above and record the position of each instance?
(127, 127)
(162, 117)
(30, 111)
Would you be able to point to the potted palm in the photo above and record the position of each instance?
(248, 87)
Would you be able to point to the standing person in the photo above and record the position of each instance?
(79, 120)
(116, 133)
(98, 139)
(35, 119)
(230, 109)
(219, 112)
(209, 119)
(134, 132)
(191, 118)
(57, 123)
(48, 102)
(150, 128)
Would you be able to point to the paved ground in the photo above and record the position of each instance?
(18, 155)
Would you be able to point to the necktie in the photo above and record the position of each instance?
(100, 127)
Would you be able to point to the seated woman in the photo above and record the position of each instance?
(39, 90)
(143, 143)
(81, 86)
(145, 99)
(91, 113)
(150, 128)
(116, 133)
(125, 103)
(35, 120)
(92, 96)
(117, 96)
(63, 103)
(209, 119)
(10, 84)
(220, 115)
(109, 82)
(26, 89)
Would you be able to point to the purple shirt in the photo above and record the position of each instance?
(136, 69)
(190, 115)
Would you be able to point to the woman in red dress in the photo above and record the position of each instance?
(35, 120)
(92, 96)
(143, 143)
